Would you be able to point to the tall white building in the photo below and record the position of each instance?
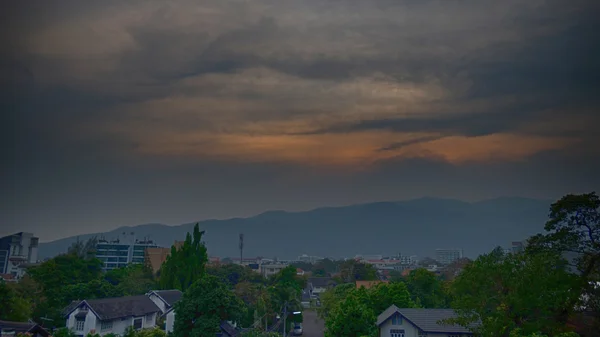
(447, 256)
(16, 251)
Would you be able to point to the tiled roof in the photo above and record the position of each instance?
(424, 319)
(111, 308)
(170, 296)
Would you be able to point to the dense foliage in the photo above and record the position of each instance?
(203, 306)
(185, 265)
(505, 292)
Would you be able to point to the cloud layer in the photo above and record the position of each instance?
(344, 85)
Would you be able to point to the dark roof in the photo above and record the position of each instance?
(111, 308)
(24, 327)
(424, 319)
(169, 296)
(321, 282)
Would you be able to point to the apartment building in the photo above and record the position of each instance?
(121, 252)
(447, 256)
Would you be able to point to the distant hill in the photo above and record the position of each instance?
(411, 227)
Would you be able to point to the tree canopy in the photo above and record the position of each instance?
(185, 265)
(203, 306)
(505, 292)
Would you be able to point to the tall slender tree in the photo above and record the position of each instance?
(185, 265)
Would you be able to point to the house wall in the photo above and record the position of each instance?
(170, 321)
(90, 322)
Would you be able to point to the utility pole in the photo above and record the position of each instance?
(241, 245)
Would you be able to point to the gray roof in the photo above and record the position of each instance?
(111, 308)
(169, 296)
(424, 319)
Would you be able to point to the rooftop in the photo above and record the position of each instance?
(425, 319)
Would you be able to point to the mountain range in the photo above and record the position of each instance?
(412, 227)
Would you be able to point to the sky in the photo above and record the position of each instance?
(119, 113)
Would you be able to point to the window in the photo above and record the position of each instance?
(396, 320)
(106, 325)
(79, 324)
(396, 333)
(137, 323)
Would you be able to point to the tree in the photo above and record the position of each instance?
(203, 306)
(234, 274)
(513, 291)
(352, 271)
(332, 297)
(14, 307)
(352, 317)
(185, 265)
(83, 250)
(135, 279)
(426, 289)
(383, 295)
(427, 261)
(54, 278)
(574, 226)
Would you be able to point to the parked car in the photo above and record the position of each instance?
(297, 330)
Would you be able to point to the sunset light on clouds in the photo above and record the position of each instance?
(290, 89)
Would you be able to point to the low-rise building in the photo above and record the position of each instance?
(417, 322)
(111, 315)
(271, 269)
(319, 285)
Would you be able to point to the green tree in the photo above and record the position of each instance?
(203, 306)
(513, 291)
(57, 276)
(352, 317)
(383, 295)
(14, 307)
(185, 265)
(332, 297)
(83, 250)
(574, 226)
(426, 289)
(234, 274)
(352, 271)
(135, 279)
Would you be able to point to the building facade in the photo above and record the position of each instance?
(16, 251)
(120, 253)
(447, 256)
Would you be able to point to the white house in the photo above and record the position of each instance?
(414, 322)
(164, 299)
(111, 315)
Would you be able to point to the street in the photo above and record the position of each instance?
(312, 325)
